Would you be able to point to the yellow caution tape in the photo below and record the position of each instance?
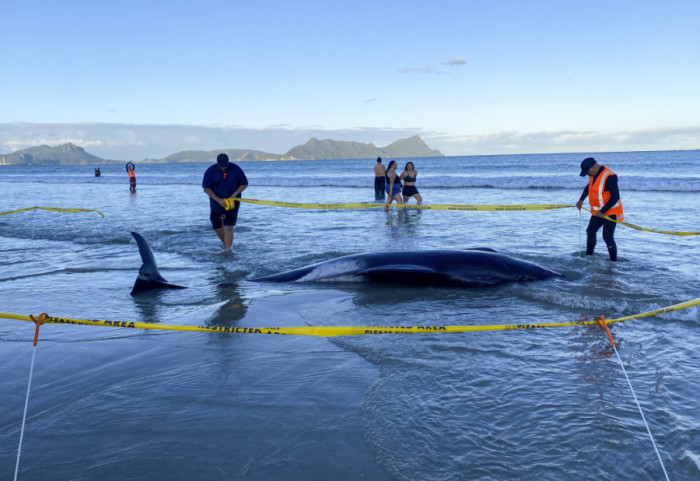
(633, 226)
(484, 207)
(334, 331)
(51, 209)
(231, 203)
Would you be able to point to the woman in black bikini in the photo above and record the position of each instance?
(408, 176)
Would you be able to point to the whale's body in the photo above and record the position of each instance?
(465, 268)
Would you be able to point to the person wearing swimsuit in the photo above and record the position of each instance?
(132, 176)
(393, 185)
(408, 176)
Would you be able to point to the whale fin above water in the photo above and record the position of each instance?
(149, 278)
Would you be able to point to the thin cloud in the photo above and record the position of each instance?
(455, 62)
(425, 69)
(434, 69)
(687, 138)
(22, 144)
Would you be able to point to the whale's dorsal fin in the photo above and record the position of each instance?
(149, 267)
(149, 277)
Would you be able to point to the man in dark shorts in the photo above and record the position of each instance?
(221, 181)
(379, 182)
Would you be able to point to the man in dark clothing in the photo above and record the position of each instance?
(379, 183)
(222, 181)
(604, 196)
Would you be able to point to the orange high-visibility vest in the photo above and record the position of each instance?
(598, 197)
(132, 174)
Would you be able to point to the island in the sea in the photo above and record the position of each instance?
(314, 149)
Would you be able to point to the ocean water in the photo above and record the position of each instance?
(548, 404)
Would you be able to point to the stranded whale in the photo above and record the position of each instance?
(464, 268)
(478, 267)
(149, 277)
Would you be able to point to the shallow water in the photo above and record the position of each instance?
(526, 404)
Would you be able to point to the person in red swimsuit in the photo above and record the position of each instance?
(132, 176)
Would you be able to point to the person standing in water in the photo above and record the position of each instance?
(393, 185)
(408, 176)
(221, 181)
(604, 197)
(379, 183)
(132, 176)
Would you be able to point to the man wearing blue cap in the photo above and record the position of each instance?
(221, 181)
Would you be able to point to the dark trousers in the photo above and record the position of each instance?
(379, 187)
(594, 226)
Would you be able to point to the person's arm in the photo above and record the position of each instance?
(240, 189)
(579, 204)
(242, 183)
(611, 186)
(208, 187)
(215, 197)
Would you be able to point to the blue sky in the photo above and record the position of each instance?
(126, 79)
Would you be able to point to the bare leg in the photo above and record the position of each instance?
(225, 235)
(228, 238)
(220, 234)
(396, 198)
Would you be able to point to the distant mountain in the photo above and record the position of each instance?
(235, 155)
(332, 149)
(316, 149)
(66, 154)
(411, 147)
